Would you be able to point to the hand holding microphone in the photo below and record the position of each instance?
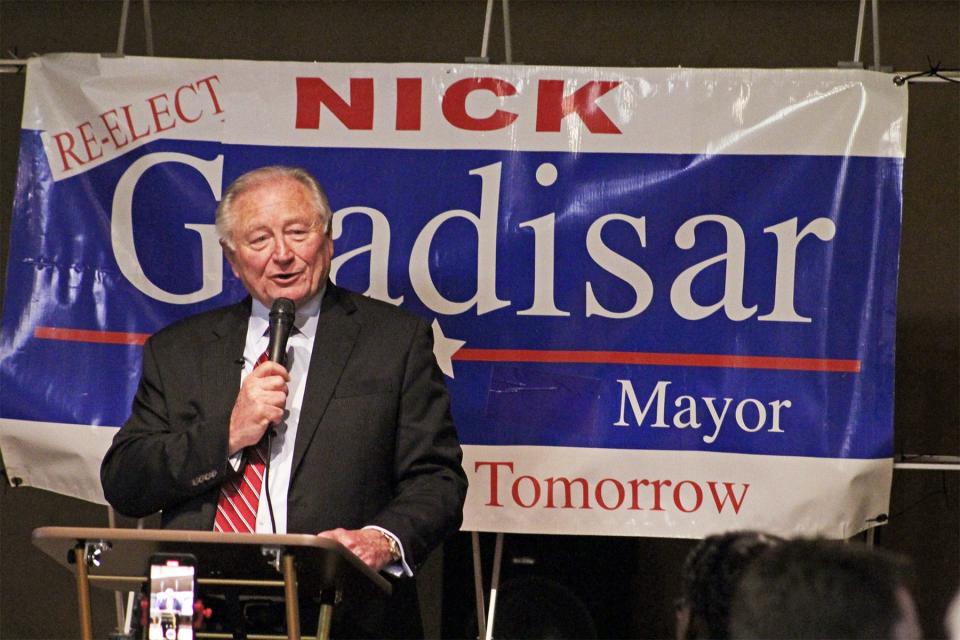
(263, 394)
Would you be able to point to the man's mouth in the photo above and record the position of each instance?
(285, 278)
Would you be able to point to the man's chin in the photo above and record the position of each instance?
(299, 295)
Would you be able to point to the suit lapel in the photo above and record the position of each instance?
(219, 362)
(336, 336)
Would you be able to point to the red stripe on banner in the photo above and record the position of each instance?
(87, 335)
(662, 359)
(536, 355)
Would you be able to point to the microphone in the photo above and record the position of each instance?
(282, 313)
(281, 322)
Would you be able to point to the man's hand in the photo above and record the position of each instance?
(367, 544)
(261, 401)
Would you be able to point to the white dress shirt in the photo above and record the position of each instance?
(299, 348)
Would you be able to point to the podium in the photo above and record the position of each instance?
(117, 559)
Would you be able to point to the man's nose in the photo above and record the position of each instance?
(281, 251)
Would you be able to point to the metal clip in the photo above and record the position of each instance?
(92, 552)
(273, 555)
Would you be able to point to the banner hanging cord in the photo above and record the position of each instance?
(935, 71)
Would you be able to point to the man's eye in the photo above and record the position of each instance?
(258, 241)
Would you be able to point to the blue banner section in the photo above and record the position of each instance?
(627, 301)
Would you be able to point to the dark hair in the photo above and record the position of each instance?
(710, 575)
(819, 589)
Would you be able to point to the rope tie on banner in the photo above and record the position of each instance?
(933, 72)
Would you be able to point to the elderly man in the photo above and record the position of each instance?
(365, 451)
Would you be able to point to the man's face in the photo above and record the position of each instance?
(279, 248)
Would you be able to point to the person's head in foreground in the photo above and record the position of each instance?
(952, 621)
(710, 575)
(824, 589)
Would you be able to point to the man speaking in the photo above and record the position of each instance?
(351, 438)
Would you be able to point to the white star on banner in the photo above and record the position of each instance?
(444, 348)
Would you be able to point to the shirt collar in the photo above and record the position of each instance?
(305, 320)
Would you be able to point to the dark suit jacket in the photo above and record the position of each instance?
(375, 445)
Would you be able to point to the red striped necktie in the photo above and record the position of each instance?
(240, 495)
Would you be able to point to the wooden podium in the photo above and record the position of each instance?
(117, 559)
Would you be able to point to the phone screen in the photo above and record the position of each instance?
(171, 598)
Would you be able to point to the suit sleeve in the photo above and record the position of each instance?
(167, 452)
(430, 483)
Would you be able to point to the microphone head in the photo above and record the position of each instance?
(281, 322)
(283, 309)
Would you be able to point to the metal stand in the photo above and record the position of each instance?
(927, 463)
(507, 44)
(478, 586)
(908, 462)
(485, 629)
(875, 16)
(147, 27)
(79, 557)
(290, 598)
(328, 600)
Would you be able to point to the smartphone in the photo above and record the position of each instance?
(172, 589)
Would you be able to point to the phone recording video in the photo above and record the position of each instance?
(172, 579)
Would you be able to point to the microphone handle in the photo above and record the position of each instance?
(277, 349)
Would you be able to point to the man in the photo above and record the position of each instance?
(824, 589)
(365, 450)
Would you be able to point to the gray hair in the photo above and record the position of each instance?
(226, 217)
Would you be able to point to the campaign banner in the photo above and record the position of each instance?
(663, 299)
